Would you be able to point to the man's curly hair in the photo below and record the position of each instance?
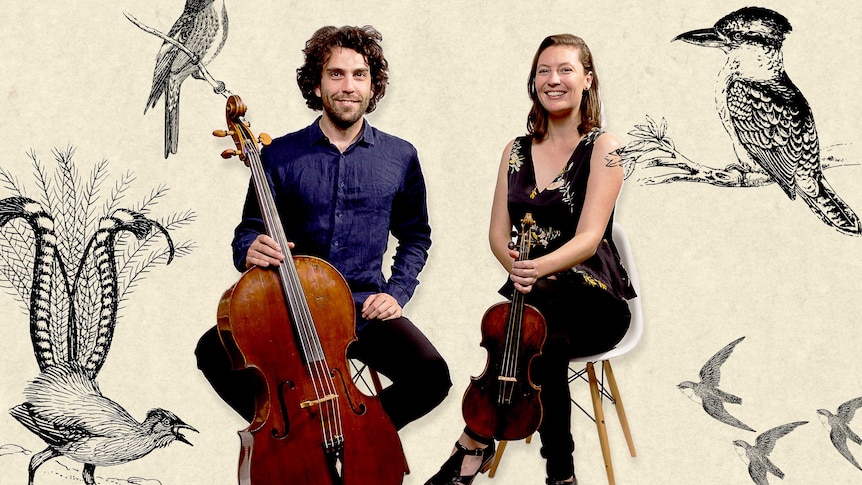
(364, 40)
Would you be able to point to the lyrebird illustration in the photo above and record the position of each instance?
(712, 398)
(839, 428)
(768, 119)
(73, 316)
(757, 456)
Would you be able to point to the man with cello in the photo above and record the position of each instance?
(341, 187)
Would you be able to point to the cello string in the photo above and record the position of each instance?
(331, 408)
(318, 368)
(298, 305)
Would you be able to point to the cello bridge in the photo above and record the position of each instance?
(315, 402)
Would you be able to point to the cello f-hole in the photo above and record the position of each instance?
(283, 409)
(357, 408)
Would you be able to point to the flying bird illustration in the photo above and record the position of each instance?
(712, 398)
(768, 119)
(198, 28)
(757, 456)
(839, 429)
(64, 405)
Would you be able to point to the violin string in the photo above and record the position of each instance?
(516, 321)
(515, 313)
(526, 239)
(330, 416)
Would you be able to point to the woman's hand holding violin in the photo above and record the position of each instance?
(524, 273)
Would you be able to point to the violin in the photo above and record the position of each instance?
(292, 325)
(503, 403)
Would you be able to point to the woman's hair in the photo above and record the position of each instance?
(591, 103)
(364, 40)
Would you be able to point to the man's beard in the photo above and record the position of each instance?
(344, 119)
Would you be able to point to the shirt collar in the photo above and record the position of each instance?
(316, 135)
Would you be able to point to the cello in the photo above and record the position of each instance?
(292, 324)
(503, 403)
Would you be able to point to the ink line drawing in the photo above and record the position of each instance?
(195, 39)
(14, 457)
(757, 456)
(838, 425)
(769, 121)
(712, 398)
(67, 256)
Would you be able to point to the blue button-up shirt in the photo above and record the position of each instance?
(342, 207)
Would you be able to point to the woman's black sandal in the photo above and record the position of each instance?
(450, 472)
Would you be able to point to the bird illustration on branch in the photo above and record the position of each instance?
(71, 263)
(769, 121)
(195, 39)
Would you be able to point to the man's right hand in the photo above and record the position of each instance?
(264, 251)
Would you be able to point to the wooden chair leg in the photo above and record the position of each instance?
(600, 422)
(621, 411)
(375, 380)
(501, 447)
(378, 386)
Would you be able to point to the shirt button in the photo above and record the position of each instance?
(338, 214)
(341, 184)
(335, 243)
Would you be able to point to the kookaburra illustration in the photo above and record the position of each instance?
(202, 28)
(768, 119)
(64, 405)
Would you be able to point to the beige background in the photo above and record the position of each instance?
(715, 264)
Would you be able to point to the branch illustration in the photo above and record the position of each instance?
(653, 148)
(218, 86)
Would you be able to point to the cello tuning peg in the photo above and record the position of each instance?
(511, 245)
(229, 153)
(514, 233)
(264, 139)
(222, 133)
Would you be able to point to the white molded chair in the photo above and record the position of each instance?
(598, 391)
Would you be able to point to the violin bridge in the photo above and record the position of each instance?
(308, 404)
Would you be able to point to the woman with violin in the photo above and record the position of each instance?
(566, 173)
(340, 187)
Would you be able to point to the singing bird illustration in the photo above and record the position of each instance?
(839, 428)
(71, 329)
(768, 119)
(757, 456)
(712, 398)
(197, 28)
(66, 409)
